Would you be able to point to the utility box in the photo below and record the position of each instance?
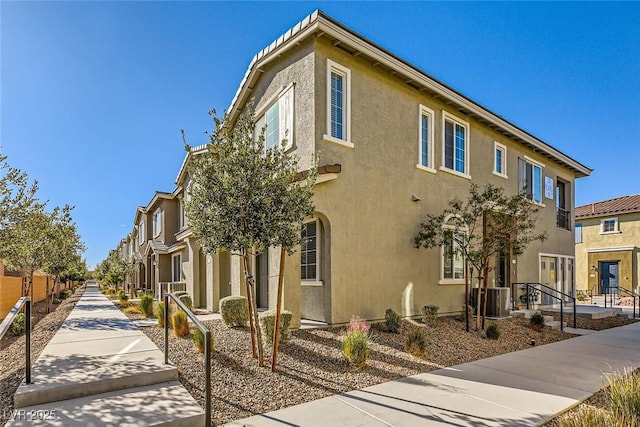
(498, 301)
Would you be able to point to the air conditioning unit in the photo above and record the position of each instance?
(498, 301)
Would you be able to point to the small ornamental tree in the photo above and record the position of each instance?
(487, 224)
(114, 269)
(246, 197)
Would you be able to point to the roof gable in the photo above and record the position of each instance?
(624, 204)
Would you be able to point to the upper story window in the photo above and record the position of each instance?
(499, 159)
(425, 139)
(609, 225)
(530, 179)
(142, 236)
(456, 145)
(278, 119)
(578, 227)
(180, 214)
(338, 104)
(157, 222)
(309, 250)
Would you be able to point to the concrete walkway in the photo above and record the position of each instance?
(524, 388)
(101, 370)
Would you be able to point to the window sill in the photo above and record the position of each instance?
(501, 175)
(456, 173)
(533, 202)
(425, 168)
(451, 282)
(312, 283)
(342, 142)
(611, 232)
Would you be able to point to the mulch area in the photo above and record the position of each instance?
(585, 322)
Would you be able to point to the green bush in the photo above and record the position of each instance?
(355, 348)
(146, 305)
(198, 340)
(56, 301)
(186, 300)
(122, 296)
(18, 326)
(267, 320)
(493, 332)
(234, 311)
(160, 313)
(430, 314)
(415, 342)
(178, 294)
(537, 321)
(392, 321)
(624, 395)
(180, 323)
(581, 297)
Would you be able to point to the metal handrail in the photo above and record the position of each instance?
(627, 292)
(6, 324)
(207, 349)
(535, 287)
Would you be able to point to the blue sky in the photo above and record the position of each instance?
(87, 89)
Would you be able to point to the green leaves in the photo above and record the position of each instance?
(243, 195)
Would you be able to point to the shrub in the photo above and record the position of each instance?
(430, 314)
(180, 323)
(358, 324)
(415, 342)
(160, 313)
(234, 311)
(178, 294)
(267, 322)
(537, 321)
(355, 348)
(186, 300)
(624, 395)
(493, 332)
(146, 305)
(581, 297)
(132, 310)
(198, 340)
(392, 321)
(586, 416)
(56, 301)
(122, 296)
(18, 326)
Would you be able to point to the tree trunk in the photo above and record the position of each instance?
(276, 328)
(253, 303)
(478, 299)
(245, 263)
(466, 294)
(485, 285)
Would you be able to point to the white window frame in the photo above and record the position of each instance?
(284, 101)
(461, 230)
(181, 218)
(334, 67)
(503, 164)
(173, 267)
(616, 224)
(157, 222)
(430, 114)
(578, 232)
(534, 164)
(314, 281)
(467, 158)
(141, 233)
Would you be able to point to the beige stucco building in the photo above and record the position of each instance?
(607, 245)
(394, 144)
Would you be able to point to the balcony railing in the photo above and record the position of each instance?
(563, 218)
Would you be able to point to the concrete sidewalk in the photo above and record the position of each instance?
(524, 388)
(99, 369)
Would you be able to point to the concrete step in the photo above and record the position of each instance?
(526, 314)
(167, 404)
(547, 319)
(554, 324)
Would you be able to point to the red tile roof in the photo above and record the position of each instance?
(624, 204)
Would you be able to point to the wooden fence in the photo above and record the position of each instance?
(11, 290)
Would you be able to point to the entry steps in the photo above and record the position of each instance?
(548, 320)
(100, 370)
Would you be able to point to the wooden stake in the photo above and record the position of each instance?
(246, 264)
(276, 329)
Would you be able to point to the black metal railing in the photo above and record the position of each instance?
(563, 218)
(532, 288)
(170, 287)
(620, 290)
(207, 349)
(6, 324)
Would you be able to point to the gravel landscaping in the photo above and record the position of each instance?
(586, 322)
(311, 365)
(12, 348)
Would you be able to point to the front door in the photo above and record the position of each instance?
(608, 277)
(548, 277)
(202, 279)
(262, 280)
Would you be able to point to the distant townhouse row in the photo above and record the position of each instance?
(394, 144)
